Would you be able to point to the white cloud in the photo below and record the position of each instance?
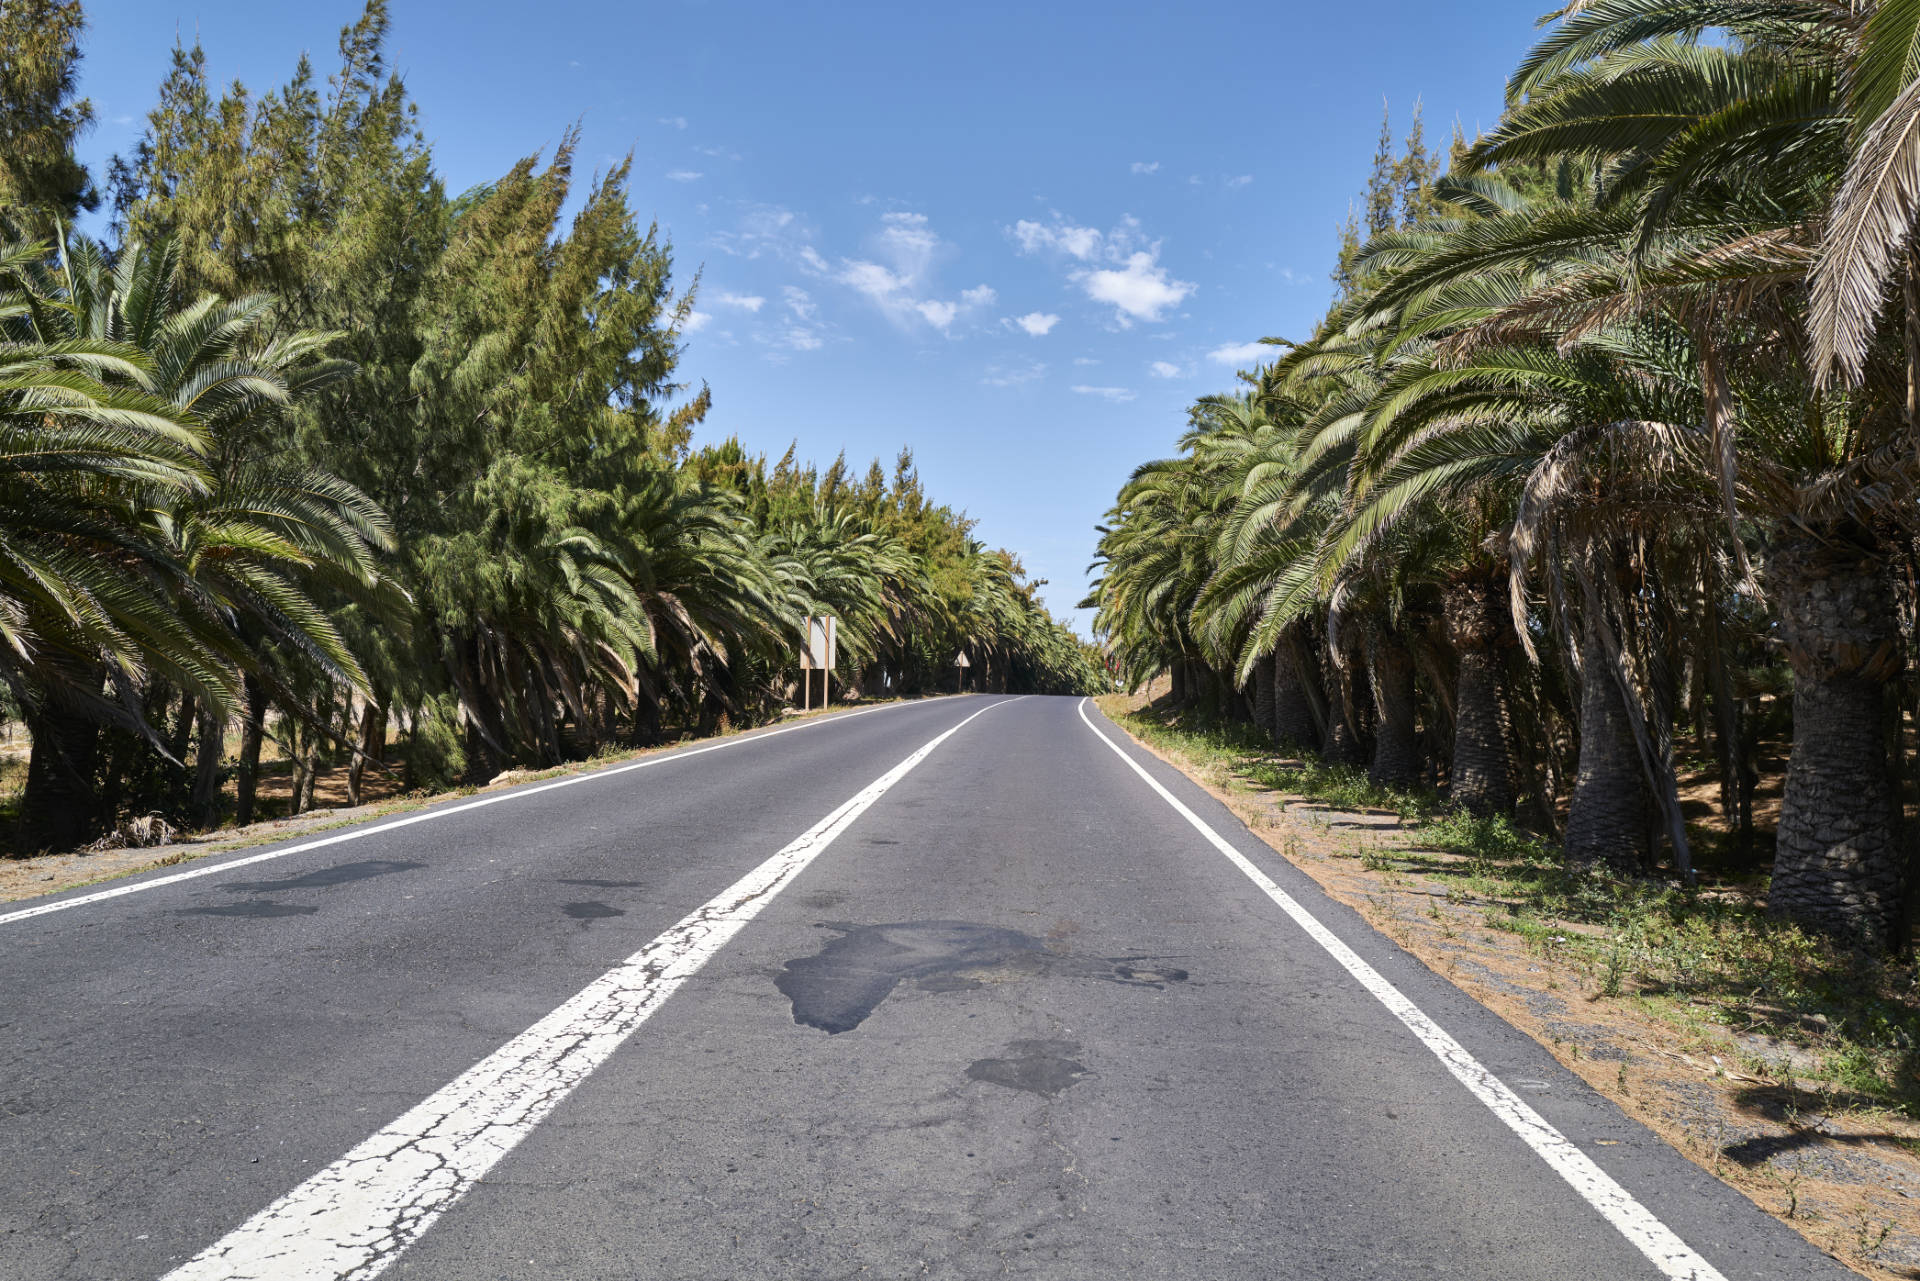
(1245, 353)
(909, 242)
(1240, 181)
(1134, 283)
(684, 175)
(1166, 369)
(938, 314)
(873, 280)
(765, 230)
(800, 338)
(695, 322)
(718, 153)
(745, 302)
(676, 122)
(800, 302)
(1141, 290)
(1036, 323)
(1079, 242)
(811, 257)
(1015, 375)
(897, 278)
(1146, 166)
(1117, 395)
(1086, 360)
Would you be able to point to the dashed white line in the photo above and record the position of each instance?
(359, 833)
(354, 1218)
(1674, 1257)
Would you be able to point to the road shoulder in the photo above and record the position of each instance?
(1846, 1179)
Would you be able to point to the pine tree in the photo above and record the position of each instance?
(40, 117)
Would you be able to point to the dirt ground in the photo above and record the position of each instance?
(1848, 1181)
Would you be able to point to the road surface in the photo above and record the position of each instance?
(962, 988)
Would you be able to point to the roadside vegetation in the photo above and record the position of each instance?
(1698, 954)
(315, 469)
(1597, 481)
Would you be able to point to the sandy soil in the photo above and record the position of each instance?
(1848, 1181)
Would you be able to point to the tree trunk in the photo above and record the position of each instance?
(1837, 862)
(1611, 814)
(1263, 695)
(1349, 701)
(206, 767)
(1177, 680)
(373, 745)
(59, 810)
(1480, 629)
(309, 773)
(252, 730)
(1294, 724)
(1396, 744)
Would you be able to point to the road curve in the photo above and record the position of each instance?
(944, 989)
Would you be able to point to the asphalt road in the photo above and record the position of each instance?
(788, 1009)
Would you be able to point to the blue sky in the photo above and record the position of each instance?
(1020, 239)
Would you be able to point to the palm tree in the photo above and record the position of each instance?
(267, 548)
(87, 586)
(1733, 249)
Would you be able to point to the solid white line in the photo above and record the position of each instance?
(354, 1218)
(358, 833)
(1674, 1257)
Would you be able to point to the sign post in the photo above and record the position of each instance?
(960, 666)
(817, 654)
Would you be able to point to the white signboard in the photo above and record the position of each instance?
(819, 651)
(962, 660)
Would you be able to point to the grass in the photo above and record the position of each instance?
(1708, 960)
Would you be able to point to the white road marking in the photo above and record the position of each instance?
(1674, 1257)
(358, 833)
(354, 1218)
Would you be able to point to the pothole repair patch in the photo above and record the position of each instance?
(1037, 1067)
(839, 986)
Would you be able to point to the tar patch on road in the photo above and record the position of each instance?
(588, 913)
(326, 877)
(254, 907)
(838, 987)
(319, 879)
(1037, 1067)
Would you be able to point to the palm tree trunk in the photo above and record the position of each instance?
(1480, 629)
(1837, 862)
(1349, 706)
(1263, 695)
(1396, 743)
(1611, 815)
(1295, 723)
(59, 809)
(206, 767)
(252, 731)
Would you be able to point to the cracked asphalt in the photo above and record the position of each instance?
(1019, 1019)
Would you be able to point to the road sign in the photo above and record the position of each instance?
(818, 654)
(962, 660)
(821, 644)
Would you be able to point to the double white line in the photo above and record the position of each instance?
(355, 1217)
